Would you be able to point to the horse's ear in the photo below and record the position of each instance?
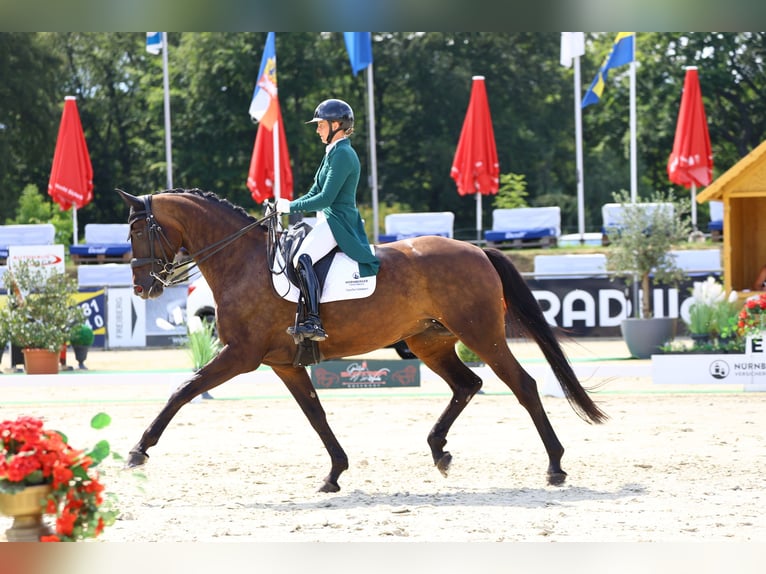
(130, 200)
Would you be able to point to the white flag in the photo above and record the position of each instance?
(154, 42)
(572, 46)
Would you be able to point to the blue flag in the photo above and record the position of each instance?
(623, 52)
(263, 106)
(359, 46)
(154, 42)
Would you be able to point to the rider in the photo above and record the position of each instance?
(333, 197)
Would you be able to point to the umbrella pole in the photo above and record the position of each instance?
(74, 223)
(694, 207)
(478, 217)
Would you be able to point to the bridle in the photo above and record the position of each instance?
(164, 267)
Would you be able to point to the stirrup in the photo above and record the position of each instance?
(309, 329)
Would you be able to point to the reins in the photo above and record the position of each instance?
(166, 271)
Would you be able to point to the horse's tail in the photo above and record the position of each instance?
(523, 308)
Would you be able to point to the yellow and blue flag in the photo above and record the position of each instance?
(263, 106)
(623, 52)
(359, 46)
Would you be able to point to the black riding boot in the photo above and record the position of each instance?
(311, 328)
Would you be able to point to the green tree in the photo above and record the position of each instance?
(34, 208)
(421, 92)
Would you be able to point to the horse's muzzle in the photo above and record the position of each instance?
(152, 292)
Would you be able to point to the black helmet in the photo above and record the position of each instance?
(334, 111)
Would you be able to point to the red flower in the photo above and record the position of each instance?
(752, 319)
(20, 467)
(65, 522)
(99, 527)
(61, 475)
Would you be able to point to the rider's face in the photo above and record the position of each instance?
(323, 129)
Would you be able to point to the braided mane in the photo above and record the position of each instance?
(211, 196)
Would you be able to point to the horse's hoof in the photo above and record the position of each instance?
(557, 478)
(443, 463)
(328, 486)
(137, 458)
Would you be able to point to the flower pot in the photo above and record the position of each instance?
(26, 509)
(700, 339)
(41, 362)
(644, 337)
(80, 354)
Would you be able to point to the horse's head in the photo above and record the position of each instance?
(153, 251)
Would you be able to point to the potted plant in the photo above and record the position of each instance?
(640, 252)
(467, 355)
(203, 344)
(39, 312)
(40, 473)
(713, 316)
(81, 338)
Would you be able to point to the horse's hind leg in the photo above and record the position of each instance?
(299, 384)
(524, 388)
(464, 384)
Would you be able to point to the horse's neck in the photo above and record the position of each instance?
(219, 253)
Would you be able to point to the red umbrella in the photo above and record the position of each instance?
(260, 178)
(691, 162)
(71, 181)
(475, 168)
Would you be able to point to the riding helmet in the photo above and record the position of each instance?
(334, 111)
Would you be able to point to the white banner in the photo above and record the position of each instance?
(50, 257)
(126, 319)
(748, 369)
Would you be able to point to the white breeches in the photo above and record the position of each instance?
(318, 243)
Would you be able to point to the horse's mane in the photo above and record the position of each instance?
(211, 196)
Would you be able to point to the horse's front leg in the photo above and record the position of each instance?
(299, 384)
(223, 367)
(464, 383)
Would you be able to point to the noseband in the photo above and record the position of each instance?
(164, 269)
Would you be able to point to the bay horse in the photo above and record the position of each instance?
(431, 292)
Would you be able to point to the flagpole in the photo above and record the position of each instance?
(578, 152)
(633, 160)
(373, 154)
(277, 171)
(166, 84)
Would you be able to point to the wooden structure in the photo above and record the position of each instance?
(521, 227)
(742, 189)
(104, 243)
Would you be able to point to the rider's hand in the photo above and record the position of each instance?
(283, 205)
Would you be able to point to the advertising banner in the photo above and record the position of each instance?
(126, 319)
(50, 257)
(93, 304)
(366, 373)
(596, 307)
(747, 369)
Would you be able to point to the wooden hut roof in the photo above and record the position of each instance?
(736, 174)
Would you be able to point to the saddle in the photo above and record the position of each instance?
(307, 351)
(290, 243)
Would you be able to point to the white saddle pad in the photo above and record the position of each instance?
(342, 282)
